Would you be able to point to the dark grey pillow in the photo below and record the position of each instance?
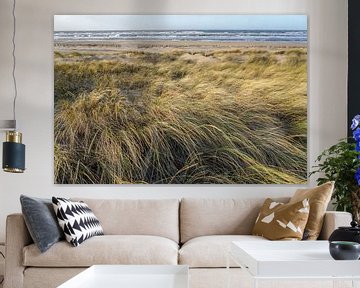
(41, 221)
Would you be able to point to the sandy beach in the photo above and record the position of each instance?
(166, 46)
(198, 51)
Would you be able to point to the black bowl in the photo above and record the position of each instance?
(344, 250)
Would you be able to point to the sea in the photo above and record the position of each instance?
(187, 35)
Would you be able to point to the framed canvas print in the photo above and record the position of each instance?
(180, 99)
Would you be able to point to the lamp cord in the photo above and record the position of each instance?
(2, 280)
(14, 60)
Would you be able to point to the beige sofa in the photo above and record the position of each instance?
(194, 232)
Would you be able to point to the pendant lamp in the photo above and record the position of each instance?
(13, 160)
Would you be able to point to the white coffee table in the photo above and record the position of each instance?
(292, 260)
(131, 276)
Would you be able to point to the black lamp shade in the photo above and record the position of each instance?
(13, 157)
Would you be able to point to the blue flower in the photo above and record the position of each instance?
(355, 126)
(355, 122)
(357, 176)
(356, 134)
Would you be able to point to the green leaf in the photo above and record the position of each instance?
(339, 163)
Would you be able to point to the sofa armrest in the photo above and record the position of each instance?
(17, 237)
(333, 220)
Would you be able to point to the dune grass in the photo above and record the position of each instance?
(225, 116)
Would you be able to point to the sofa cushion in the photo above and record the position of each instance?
(158, 217)
(201, 217)
(319, 198)
(279, 221)
(76, 220)
(107, 249)
(211, 251)
(41, 221)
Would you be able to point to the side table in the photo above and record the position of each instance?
(292, 264)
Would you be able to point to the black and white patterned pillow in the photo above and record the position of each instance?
(77, 220)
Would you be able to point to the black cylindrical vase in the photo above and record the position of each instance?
(13, 153)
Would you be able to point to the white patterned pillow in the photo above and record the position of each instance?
(77, 220)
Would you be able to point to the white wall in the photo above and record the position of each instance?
(327, 89)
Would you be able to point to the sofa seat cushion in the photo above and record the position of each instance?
(108, 249)
(211, 251)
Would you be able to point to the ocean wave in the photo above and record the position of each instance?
(186, 35)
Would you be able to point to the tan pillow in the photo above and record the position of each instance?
(319, 198)
(279, 221)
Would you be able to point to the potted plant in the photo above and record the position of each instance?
(341, 163)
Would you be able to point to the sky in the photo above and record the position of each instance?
(179, 22)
